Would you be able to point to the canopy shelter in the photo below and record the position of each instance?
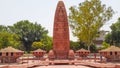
(82, 52)
(111, 54)
(39, 53)
(10, 54)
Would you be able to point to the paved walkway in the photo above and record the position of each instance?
(62, 66)
(77, 64)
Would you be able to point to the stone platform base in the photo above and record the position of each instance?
(68, 55)
(61, 62)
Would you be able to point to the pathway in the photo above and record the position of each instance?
(63, 66)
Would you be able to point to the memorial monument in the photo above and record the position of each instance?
(61, 42)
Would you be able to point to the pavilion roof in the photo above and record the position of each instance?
(10, 49)
(82, 50)
(111, 48)
(39, 50)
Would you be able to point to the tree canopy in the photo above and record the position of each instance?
(25, 35)
(45, 44)
(88, 18)
(9, 39)
(28, 32)
(74, 45)
(3, 28)
(113, 37)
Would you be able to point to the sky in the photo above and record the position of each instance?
(42, 12)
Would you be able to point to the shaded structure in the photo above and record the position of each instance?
(71, 55)
(39, 53)
(51, 54)
(82, 53)
(61, 42)
(10, 55)
(111, 54)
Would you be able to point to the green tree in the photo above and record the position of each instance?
(37, 45)
(74, 45)
(114, 37)
(3, 28)
(88, 18)
(93, 48)
(9, 39)
(47, 41)
(28, 32)
(108, 38)
(45, 44)
(105, 45)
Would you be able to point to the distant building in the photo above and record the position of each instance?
(101, 37)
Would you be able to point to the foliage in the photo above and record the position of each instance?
(78, 45)
(3, 28)
(105, 45)
(37, 45)
(108, 38)
(45, 44)
(9, 39)
(114, 37)
(88, 18)
(74, 45)
(47, 41)
(93, 48)
(28, 32)
(82, 45)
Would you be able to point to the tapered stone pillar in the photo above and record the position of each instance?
(61, 43)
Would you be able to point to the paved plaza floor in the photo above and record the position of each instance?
(77, 64)
(63, 66)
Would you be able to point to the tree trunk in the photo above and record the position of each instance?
(27, 46)
(89, 47)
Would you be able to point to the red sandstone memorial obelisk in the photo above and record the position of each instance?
(61, 43)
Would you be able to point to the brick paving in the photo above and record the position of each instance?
(63, 66)
(77, 64)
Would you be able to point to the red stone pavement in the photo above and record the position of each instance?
(77, 64)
